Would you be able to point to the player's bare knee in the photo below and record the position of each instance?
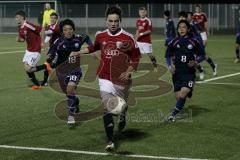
(71, 90)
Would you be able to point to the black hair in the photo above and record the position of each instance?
(167, 13)
(182, 14)
(142, 8)
(21, 13)
(184, 21)
(54, 14)
(114, 10)
(66, 22)
(191, 13)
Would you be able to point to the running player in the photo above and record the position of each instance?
(68, 68)
(119, 58)
(196, 32)
(31, 34)
(170, 30)
(143, 35)
(180, 60)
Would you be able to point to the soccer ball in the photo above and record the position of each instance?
(116, 105)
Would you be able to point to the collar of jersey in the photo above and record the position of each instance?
(110, 34)
(23, 24)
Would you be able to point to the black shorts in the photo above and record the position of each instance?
(65, 78)
(238, 39)
(183, 81)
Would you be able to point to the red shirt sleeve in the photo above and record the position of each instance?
(135, 56)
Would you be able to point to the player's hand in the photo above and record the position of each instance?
(125, 76)
(172, 69)
(136, 36)
(18, 39)
(191, 63)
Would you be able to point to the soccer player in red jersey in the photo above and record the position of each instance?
(31, 34)
(51, 33)
(120, 56)
(201, 18)
(143, 35)
(52, 30)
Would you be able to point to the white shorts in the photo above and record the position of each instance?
(144, 47)
(31, 58)
(108, 87)
(203, 36)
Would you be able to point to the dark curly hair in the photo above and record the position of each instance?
(66, 22)
(114, 10)
(21, 13)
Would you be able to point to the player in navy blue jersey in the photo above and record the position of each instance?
(195, 32)
(170, 30)
(237, 46)
(180, 60)
(68, 67)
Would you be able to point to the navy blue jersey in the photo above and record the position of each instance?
(170, 29)
(238, 35)
(63, 46)
(195, 31)
(182, 50)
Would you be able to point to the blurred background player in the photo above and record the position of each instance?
(119, 58)
(46, 15)
(50, 34)
(237, 46)
(52, 30)
(170, 30)
(182, 15)
(143, 35)
(201, 18)
(31, 34)
(68, 68)
(196, 31)
(180, 60)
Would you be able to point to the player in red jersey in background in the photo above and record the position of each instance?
(201, 18)
(50, 34)
(31, 34)
(52, 30)
(119, 58)
(143, 35)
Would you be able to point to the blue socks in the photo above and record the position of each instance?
(179, 106)
(72, 102)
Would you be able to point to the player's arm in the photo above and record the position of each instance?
(173, 31)
(20, 37)
(44, 20)
(149, 31)
(205, 24)
(134, 61)
(52, 53)
(145, 33)
(168, 56)
(90, 49)
(137, 33)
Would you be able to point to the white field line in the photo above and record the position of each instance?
(95, 153)
(221, 77)
(12, 52)
(216, 83)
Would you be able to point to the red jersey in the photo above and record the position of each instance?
(200, 18)
(53, 32)
(31, 34)
(118, 52)
(144, 24)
